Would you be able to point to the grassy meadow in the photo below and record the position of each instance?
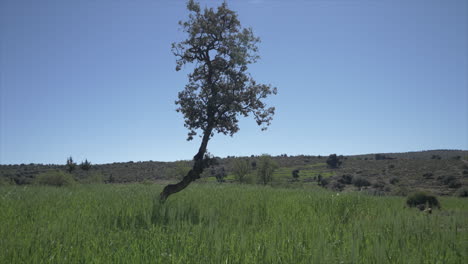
(224, 223)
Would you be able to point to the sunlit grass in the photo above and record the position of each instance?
(224, 223)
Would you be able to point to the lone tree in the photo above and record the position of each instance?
(266, 168)
(86, 165)
(295, 174)
(71, 165)
(333, 161)
(219, 89)
(241, 169)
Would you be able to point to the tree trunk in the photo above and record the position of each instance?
(193, 174)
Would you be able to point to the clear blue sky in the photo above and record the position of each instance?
(96, 79)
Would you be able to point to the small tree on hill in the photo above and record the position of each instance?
(265, 169)
(295, 174)
(220, 89)
(71, 165)
(86, 165)
(241, 169)
(333, 161)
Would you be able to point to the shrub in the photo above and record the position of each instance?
(422, 198)
(394, 180)
(93, 178)
(463, 192)
(361, 182)
(379, 185)
(346, 179)
(337, 186)
(55, 178)
(111, 178)
(428, 175)
(70, 166)
(265, 169)
(86, 165)
(241, 169)
(323, 181)
(380, 157)
(436, 157)
(333, 161)
(455, 184)
(450, 181)
(219, 173)
(295, 174)
(254, 165)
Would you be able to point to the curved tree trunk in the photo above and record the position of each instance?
(193, 174)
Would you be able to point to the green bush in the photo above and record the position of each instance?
(462, 192)
(55, 178)
(346, 179)
(265, 169)
(86, 165)
(422, 198)
(394, 180)
(333, 161)
(323, 181)
(361, 182)
(241, 168)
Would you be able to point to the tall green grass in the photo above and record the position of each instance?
(211, 223)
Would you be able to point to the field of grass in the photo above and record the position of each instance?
(224, 223)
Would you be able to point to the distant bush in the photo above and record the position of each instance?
(421, 198)
(265, 169)
(462, 192)
(346, 179)
(333, 161)
(391, 166)
(379, 185)
(394, 180)
(455, 184)
(436, 157)
(361, 182)
(379, 157)
(295, 174)
(55, 178)
(111, 178)
(241, 169)
(323, 181)
(337, 186)
(219, 173)
(254, 165)
(428, 175)
(451, 181)
(86, 165)
(70, 165)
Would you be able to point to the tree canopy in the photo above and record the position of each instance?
(219, 88)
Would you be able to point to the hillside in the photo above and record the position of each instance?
(442, 172)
